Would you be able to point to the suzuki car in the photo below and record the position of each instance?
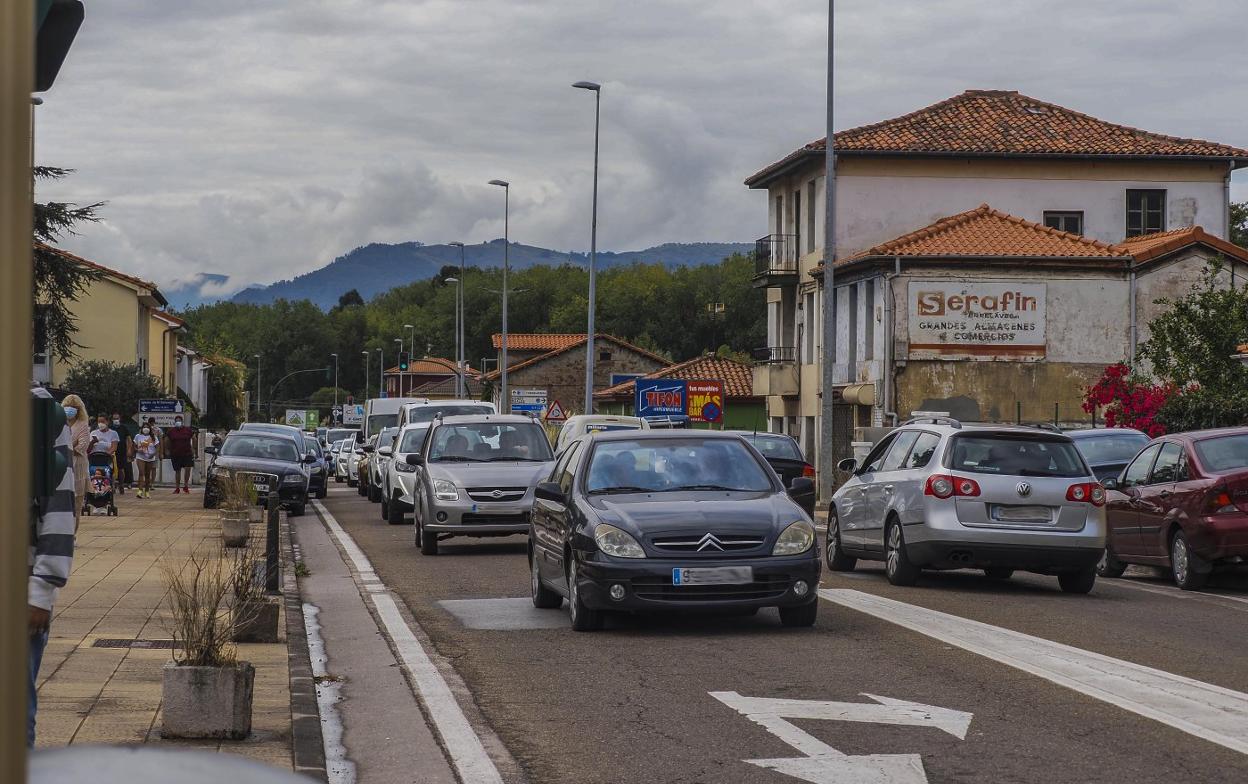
(937, 494)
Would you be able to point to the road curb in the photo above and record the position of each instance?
(307, 745)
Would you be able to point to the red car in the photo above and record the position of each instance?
(1182, 503)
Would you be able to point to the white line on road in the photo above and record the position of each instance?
(1211, 712)
(1177, 593)
(468, 755)
(339, 769)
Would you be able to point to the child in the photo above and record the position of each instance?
(99, 482)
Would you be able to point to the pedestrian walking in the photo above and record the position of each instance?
(146, 452)
(48, 560)
(125, 454)
(180, 449)
(80, 441)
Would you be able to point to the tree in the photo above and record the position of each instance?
(107, 387)
(226, 378)
(349, 300)
(1126, 400)
(1239, 223)
(323, 398)
(57, 280)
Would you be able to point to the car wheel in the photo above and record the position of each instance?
(374, 494)
(323, 492)
(385, 509)
(897, 565)
(352, 483)
(297, 510)
(428, 542)
(1077, 582)
(998, 573)
(394, 512)
(837, 560)
(583, 618)
(1181, 566)
(543, 597)
(1109, 565)
(800, 616)
(210, 501)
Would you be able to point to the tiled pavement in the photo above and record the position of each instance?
(90, 694)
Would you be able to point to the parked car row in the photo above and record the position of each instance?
(278, 460)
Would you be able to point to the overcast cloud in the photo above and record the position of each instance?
(262, 140)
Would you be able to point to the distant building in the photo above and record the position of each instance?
(743, 410)
(428, 373)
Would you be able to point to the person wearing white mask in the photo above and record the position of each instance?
(146, 451)
(80, 441)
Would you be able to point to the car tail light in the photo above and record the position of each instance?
(1086, 493)
(1219, 501)
(808, 471)
(944, 486)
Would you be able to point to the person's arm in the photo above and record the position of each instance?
(54, 544)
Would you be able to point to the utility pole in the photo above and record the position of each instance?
(368, 355)
(504, 402)
(826, 435)
(593, 253)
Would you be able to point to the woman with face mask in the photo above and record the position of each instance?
(80, 442)
(146, 451)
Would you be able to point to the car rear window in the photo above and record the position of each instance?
(1111, 448)
(1014, 456)
(780, 447)
(1224, 453)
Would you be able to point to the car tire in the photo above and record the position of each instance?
(1080, 581)
(1181, 567)
(897, 565)
(801, 616)
(428, 541)
(297, 510)
(385, 510)
(1109, 565)
(374, 494)
(583, 618)
(337, 479)
(543, 597)
(210, 501)
(836, 558)
(998, 572)
(352, 483)
(394, 512)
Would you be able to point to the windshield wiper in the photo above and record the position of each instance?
(514, 460)
(456, 459)
(621, 489)
(700, 487)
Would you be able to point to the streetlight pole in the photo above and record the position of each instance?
(257, 356)
(397, 363)
(593, 252)
(504, 399)
(381, 380)
(335, 356)
(459, 285)
(826, 460)
(461, 388)
(368, 355)
(411, 351)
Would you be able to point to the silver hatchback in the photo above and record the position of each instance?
(937, 494)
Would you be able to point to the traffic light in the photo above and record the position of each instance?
(56, 24)
(403, 361)
(48, 464)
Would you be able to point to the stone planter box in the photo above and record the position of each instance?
(235, 527)
(257, 621)
(207, 702)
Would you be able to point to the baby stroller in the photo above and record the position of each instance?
(99, 493)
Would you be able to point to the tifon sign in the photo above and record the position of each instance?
(976, 320)
(660, 397)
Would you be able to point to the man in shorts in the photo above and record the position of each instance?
(180, 449)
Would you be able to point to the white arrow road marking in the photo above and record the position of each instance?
(823, 764)
(1210, 712)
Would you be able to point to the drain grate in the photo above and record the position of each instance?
(119, 642)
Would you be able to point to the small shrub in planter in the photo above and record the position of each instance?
(236, 500)
(253, 614)
(206, 692)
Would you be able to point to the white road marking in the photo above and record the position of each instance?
(472, 763)
(824, 764)
(338, 768)
(1178, 593)
(1210, 712)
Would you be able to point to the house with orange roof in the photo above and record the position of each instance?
(743, 410)
(432, 377)
(994, 252)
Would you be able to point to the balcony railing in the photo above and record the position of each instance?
(774, 354)
(776, 254)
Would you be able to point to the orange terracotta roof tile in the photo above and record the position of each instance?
(598, 337)
(1147, 247)
(1004, 123)
(427, 366)
(533, 341)
(737, 376)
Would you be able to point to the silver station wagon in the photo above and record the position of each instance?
(938, 494)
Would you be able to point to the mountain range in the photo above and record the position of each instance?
(379, 267)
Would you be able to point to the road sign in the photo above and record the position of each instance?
(823, 763)
(160, 406)
(556, 413)
(660, 397)
(528, 401)
(706, 401)
(295, 417)
(311, 419)
(353, 415)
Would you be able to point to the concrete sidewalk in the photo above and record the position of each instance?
(101, 680)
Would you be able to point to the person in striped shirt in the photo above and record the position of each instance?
(49, 558)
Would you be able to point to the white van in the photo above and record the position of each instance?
(383, 412)
(581, 424)
(429, 410)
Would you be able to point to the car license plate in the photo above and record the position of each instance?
(1024, 514)
(262, 485)
(720, 575)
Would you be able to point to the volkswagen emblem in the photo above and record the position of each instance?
(1024, 489)
(710, 541)
(497, 493)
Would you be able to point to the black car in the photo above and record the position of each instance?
(318, 477)
(273, 460)
(784, 455)
(639, 520)
(1107, 450)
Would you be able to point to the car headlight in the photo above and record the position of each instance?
(797, 538)
(613, 541)
(293, 479)
(403, 468)
(316, 469)
(219, 471)
(444, 490)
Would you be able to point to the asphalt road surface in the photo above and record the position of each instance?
(966, 683)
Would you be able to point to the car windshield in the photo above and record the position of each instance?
(430, 413)
(260, 448)
(775, 446)
(385, 437)
(413, 438)
(379, 422)
(339, 434)
(489, 442)
(653, 465)
(1224, 453)
(1011, 455)
(1111, 448)
(314, 447)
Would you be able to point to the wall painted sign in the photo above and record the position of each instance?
(976, 320)
(660, 397)
(705, 401)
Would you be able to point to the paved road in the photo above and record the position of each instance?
(636, 702)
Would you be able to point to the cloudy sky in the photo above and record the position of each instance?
(263, 139)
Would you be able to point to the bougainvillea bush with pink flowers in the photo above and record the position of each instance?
(1126, 400)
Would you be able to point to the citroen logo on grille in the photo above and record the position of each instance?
(1024, 489)
(708, 542)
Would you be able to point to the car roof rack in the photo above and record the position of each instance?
(933, 420)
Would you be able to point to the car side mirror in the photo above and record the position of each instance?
(415, 460)
(1110, 484)
(801, 485)
(549, 491)
(309, 458)
(385, 451)
(848, 465)
(210, 450)
(368, 449)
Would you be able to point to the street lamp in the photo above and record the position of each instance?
(398, 363)
(459, 287)
(504, 400)
(257, 356)
(368, 355)
(335, 356)
(593, 252)
(381, 380)
(411, 350)
(459, 324)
